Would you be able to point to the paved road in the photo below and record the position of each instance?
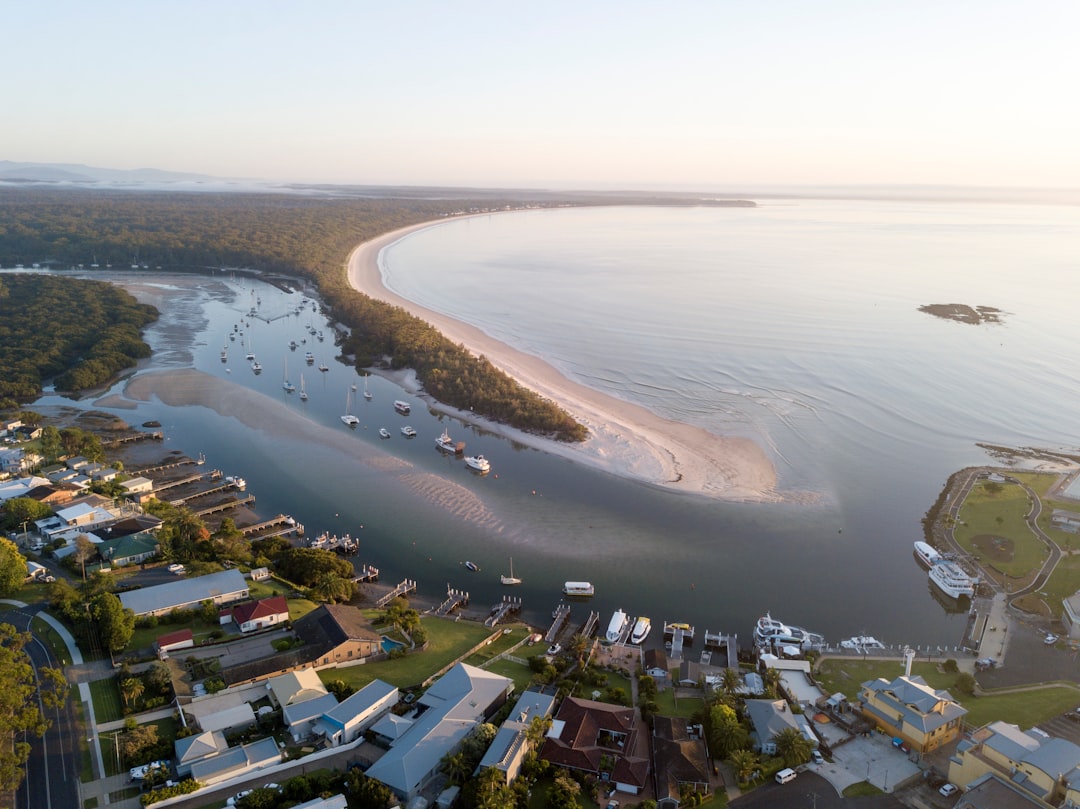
(52, 771)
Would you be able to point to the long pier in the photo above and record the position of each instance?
(407, 586)
(148, 470)
(228, 504)
(274, 522)
(508, 605)
(172, 484)
(561, 616)
(157, 435)
(454, 599)
(216, 490)
(589, 627)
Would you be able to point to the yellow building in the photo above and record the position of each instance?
(910, 709)
(1041, 766)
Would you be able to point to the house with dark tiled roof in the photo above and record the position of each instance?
(680, 761)
(605, 740)
(254, 615)
(656, 665)
(907, 707)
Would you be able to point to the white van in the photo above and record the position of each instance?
(785, 775)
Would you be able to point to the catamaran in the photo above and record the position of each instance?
(349, 418)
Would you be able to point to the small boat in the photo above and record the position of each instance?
(367, 394)
(349, 418)
(408, 431)
(475, 568)
(303, 390)
(445, 443)
(256, 366)
(579, 588)
(862, 643)
(236, 482)
(478, 462)
(324, 367)
(617, 626)
(292, 344)
(309, 358)
(402, 407)
(641, 630)
(286, 384)
(225, 354)
(511, 579)
(352, 387)
(384, 433)
(927, 554)
(250, 356)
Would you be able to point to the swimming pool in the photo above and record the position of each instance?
(389, 644)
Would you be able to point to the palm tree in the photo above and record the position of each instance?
(744, 763)
(457, 767)
(131, 688)
(579, 645)
(730, 681)
(771, 680)
(792, 747)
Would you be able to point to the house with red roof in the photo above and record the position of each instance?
(608, 741)
(255, 615)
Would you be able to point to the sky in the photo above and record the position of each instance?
(678, 95)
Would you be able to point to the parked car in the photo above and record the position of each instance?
(949, 790)
(139, 773)
(816, 756)
(241, 794)
(554, 649)
(900, 745)
(1050, 639)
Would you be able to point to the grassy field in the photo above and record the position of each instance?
(52, 637)
(998, 510)
(106, 698)
(684, 707)
(447, 639)
(1023, 708)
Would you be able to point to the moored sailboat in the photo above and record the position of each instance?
(349, 419)
(511, 579)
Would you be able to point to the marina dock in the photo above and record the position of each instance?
(403, 588)
(454, 599)
(365, 575)
(681, 635)
(172, 484)
(225, 506)
(588, 629)
(332, 542)
(718, 640)
(558, 619)
(157, 435)
(510, 605)
(275, 526)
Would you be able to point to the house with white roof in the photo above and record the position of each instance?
(295, 687)
(184, 594)
(509, 747)
(344, 723)
(21, 487)
(237, 717)
(457, 702)
(236, 762)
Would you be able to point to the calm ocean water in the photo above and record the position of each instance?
(793, 324)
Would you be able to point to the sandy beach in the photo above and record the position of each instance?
(624, 439)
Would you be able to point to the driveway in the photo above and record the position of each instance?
(809, 790)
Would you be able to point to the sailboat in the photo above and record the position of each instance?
(303, 390)
(367, 394)
(511, 579)
(349, 418)
(286, 384)
(250, 356)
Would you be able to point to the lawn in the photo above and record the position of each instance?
(665, 700)
(106, 698)
(144, 637)
(521, 675)
(52, 637)
(998, 510)
(1023, 708)
(447, 641)
(503, 643)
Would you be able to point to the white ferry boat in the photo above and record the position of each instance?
(402, 407)
(770, 633)
(617, 626)
(641, 630)
(579, 588)
(952, 580)
(927, 554)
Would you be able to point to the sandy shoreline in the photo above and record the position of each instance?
(625, 439)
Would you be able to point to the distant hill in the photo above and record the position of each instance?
(17, 173)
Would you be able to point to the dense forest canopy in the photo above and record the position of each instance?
(82, 333)
(306, 236)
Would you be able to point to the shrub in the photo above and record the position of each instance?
(950, 666)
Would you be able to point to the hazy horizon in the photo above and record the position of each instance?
(696, 96)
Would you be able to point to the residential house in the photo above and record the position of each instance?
(137, 485)
(17, 461)
(50, 495)
(236, 761)
(174, 641)
(259, 573)
(346, 722)
(656, 665)
(607, 741)
(769, 718)
(221, 588)
(20, 487)
(128, 550)
(300, 717)
(193, 749)
(510, 745)
(1043, 767)
(255, 615)
(238, 717)
(445, 714)
(295, 687)
(333, 802)
(910, 709)
(991, 791)
(680, 760)
(1070, 616)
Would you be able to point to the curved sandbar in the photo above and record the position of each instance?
(625, 439)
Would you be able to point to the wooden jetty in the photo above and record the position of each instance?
(718, 640)
(407, 586)
(589, 627)
(454, 599)
(365, 574)
(558, 619)
(149, 470)
(681, 635)
(225, 506)
(280, 521)
(157, 435)
(226, 487)
(332, 542)
(172, 484)
(509, 605)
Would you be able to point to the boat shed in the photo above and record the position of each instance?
(221, 588)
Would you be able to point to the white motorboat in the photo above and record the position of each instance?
(862, 643)
(404, 408)
(324, 367)
(256, 367)
(579, 588)
(309, 358)
(236, 482)
(927, 554)
(408, 431)
(511, 579)
(478, 462)
(349, 419)
(952, 580)
(642, 627)
(617, 626)
(769, 633)
(384, 433)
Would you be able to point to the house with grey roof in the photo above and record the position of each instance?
(344, 723)
(236, 762)
(300, 717)
(192, 749)
(228, 720)
(457, 702)
(769, 718)
(295, 687)
(907, 707)
(184, 594)
(508, 748)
